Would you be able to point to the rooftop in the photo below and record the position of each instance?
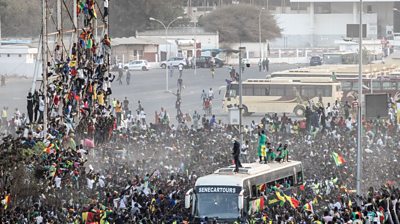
(231, 178)
(138, 41)
(177, 31)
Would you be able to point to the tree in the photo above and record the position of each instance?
(239, 23)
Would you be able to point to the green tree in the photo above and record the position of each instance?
(239, 23)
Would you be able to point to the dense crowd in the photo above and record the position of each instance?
(139, 173)
(99, 162)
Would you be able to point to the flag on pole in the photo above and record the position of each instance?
(293, 201)
(308, 207)
(279, 196)
(6, 201)
(338, 159)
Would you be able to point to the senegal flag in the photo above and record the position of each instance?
(338, 159)
(280, 197)
(6, 201)
(308, 207)
(293, 201)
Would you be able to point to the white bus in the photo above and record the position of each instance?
(340, 58)
(282, 95)
(226, 196)
(377, 78)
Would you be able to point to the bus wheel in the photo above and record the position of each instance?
(246, 111)
(299, 111)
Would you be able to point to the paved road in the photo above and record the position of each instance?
(149, 88)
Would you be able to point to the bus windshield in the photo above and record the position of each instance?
(218, 205)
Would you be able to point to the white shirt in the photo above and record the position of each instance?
(101, 183)
(210, 93)
(39, 219)
(41, 104)
(90, 183)
(57, 180)
(180, 67)
(105, 3)
(142, 115)
(348, 124)
(244, 149)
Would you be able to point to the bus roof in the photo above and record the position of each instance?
(339, 70)
(339, 53)
(302, 80)
(226, 177)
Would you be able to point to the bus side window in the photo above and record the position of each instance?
(325, 91)
(254, 191)
(299, 177)
(259, 90)
(308, 91)
(277, 90)
(376, 84)
(346, 85)
(248, 90)
(267, 92)
(269, 186)
(290, 181)
(388, 85)
(290, 91)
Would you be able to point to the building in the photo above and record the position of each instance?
(17, 60)
(135, 48)
(319, 23)
(181, 41)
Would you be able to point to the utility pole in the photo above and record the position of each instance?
(75, 22)
(44, 61)
(60, 28)
(241, 49)
(360, 96)
(259, 33)
(195, 48)
(0, 30)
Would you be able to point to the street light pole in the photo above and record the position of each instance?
(240, 95)
(167, 47)
(359, 124)
(259, 32)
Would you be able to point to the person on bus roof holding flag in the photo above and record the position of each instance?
(261, 142)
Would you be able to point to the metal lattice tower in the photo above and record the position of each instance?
(63, 19)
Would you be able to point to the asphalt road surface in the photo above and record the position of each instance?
(150, 88)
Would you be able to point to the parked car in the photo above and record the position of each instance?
(315, 60)
(175, 61)
(142, 65)
(204, 62)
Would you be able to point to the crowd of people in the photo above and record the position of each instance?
(97, 162)
(140, 173)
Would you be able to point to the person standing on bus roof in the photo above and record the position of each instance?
(261, 142)
(236, 154)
